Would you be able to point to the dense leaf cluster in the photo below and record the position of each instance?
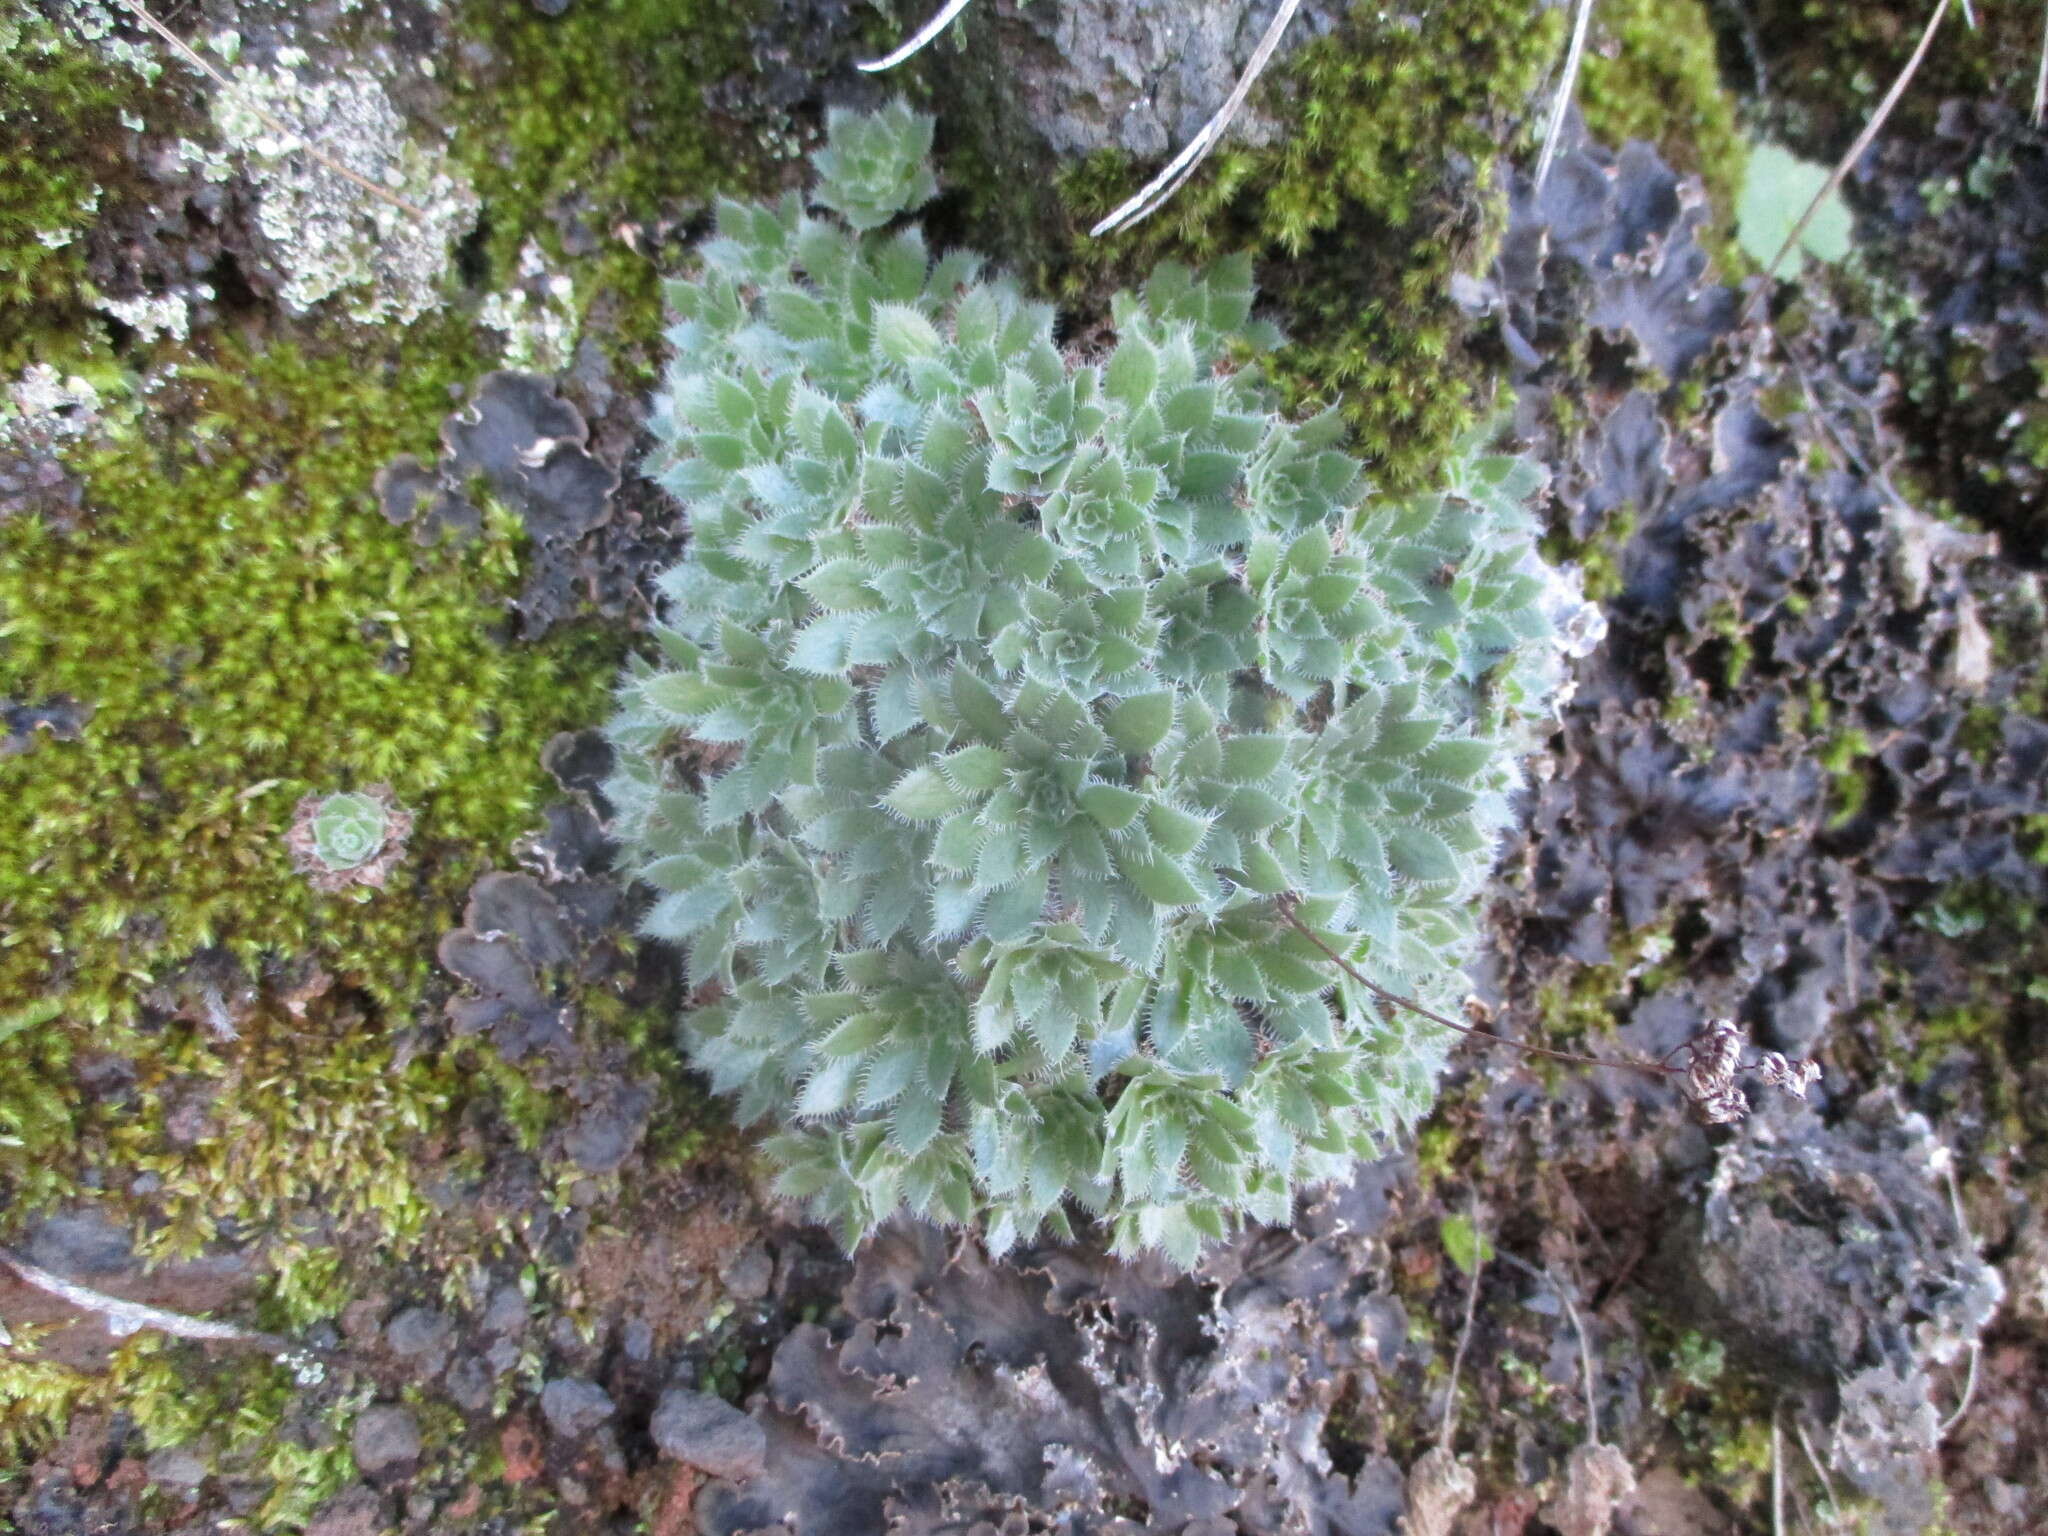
(1001, 690)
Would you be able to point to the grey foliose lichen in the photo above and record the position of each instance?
(1835, 1259)
(1796, 773)
(328, 234)
(1068, 1390)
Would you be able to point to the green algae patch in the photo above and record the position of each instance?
(1376, 193)
(245, 629)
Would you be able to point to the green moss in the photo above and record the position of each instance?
(1848, 758)
(246, 628)
(1717, 1411)
(1698, 1361)
(1373, 197)
(1782, 401)
(1586, 1000)
(1829, 62)
(595, 118)
(1725, 625)
(1971, 1026)
(1436, 1151)
(1681, 709)
(2030, 437)
(36, 1401)
(239, 1409)
(1377, 191)
(1659, 78)
(293, 1121)
(2002, 948)
(1598, 557)
(322, 1146)
(2034, 833)
(61, 160)
(1740, 1458)
(1982, 733)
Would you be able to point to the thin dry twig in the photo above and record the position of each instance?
(1547, 1278)
(1443, 1434)
(1848, 161)
(1955, 1199)
(2041, 74)
(186, 52)
(1777, 1474)
(1585, 1360)
(1287, 908)
(1182, 166)
(1969, 1389)
(125, 1317)
(1813, 1458)
(1574, 53)
(917, 40)
(1711, 1060)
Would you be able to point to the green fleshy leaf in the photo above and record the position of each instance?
(1027, 677)
(1420, 854)
(1140, 723)
(1162, 880)
(924, 795)
(904, 335)
(1111, 805)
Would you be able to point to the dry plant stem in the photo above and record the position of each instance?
(2041, 73)
(918, 39)
(1585, 1360)
(1443, 1434)
(1777, 1475)
(1293, 919)
(125, 1317)
(1182, 165)
(1969, 1390)
(1572, 57)
(1870, 131)
(185, 51)
(1813, 1459)
(1955, 1200)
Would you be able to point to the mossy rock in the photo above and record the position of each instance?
(1374, 185)
(245, 628)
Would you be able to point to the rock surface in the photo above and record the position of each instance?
(386, 1440)
(575, 1408)
(1141, 77)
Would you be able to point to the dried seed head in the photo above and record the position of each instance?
(1793, 1077)
(1722, 1106)
(1713, 1063)
(1712, 1057)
